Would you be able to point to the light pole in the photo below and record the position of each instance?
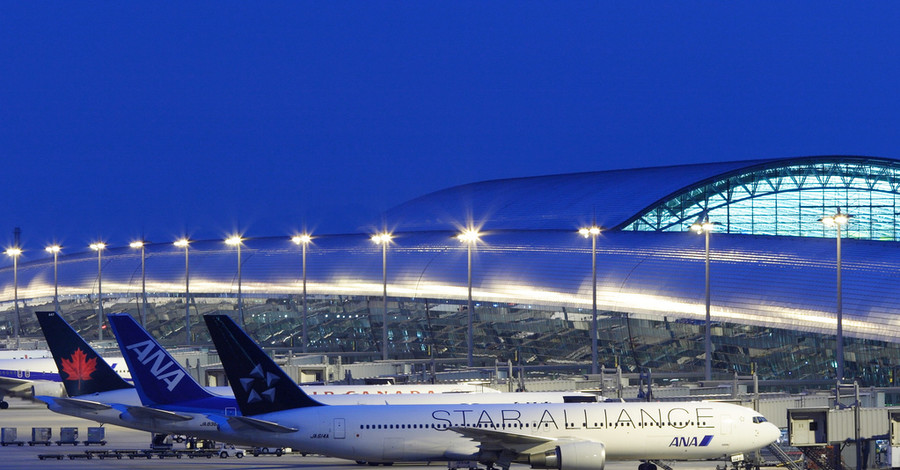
(469, 237)
(383, 239)
(98, 247)
(15, 252)
(55, 250)
(838, 220)
(592, 232)
(141, 244)
(236, 240)
(303, 240)
(705, 227)
(184, 243)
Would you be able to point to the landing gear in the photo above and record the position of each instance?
(740, 465)
(646, 466)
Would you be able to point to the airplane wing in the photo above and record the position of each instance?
(75, 403)
(143, 412)
(11, 386)
(501, 440)
(244, 422)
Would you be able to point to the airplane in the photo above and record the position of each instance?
(140, 345)
(565, 436)
(91, 384)
(23, 353)
(173, 402)
(27, 374)
(100, 394)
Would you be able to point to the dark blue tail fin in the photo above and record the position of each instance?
(158, 377)
(259, 385)
(81, 369)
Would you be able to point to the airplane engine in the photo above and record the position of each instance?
(583, 455)
(50, 389)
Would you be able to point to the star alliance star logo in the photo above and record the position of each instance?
(267, 380)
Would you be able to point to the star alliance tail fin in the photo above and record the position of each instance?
(81, 369)
(259, 385)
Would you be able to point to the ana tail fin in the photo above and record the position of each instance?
(158, 377)
(81, 369)
(259, 385)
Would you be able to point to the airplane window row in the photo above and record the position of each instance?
(521, 425)
(628, 424)
(443, 426)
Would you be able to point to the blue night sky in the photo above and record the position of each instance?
(119, 119)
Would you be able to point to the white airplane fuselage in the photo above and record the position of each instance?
(685, 430)
(202, 426)
(44, 368)
(31, 376)
(23, 354)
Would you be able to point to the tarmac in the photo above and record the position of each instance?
(24, 415)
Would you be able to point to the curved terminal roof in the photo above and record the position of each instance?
(762, 197)
(531, 254)
(785, 282)
(787, 197)
(561, 202)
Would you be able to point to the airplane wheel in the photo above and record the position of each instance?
(4, 405)
(646, 466)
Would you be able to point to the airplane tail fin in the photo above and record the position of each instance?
(81, 369)
(158, 377)
(259, 385)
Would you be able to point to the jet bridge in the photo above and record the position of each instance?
(894, 438)
(848, 431)
(827, 426)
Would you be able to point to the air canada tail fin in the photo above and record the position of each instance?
(158, 377)
(81, 369)
(259, 385)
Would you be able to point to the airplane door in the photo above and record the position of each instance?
(339, 428)
(727, 425)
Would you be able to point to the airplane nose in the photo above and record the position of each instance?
(772, 433)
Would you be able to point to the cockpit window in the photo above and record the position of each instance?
(759, 419)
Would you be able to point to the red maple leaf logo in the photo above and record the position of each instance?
(78, 366)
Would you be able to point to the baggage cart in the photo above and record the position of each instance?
(40, 436)
(96, 435)
(10, 437)
(68, 436)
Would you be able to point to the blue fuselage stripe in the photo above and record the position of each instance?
(30, 375)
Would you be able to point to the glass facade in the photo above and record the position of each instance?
(788, 200)
(554, 339)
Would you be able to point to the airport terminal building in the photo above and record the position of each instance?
(773, 290)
